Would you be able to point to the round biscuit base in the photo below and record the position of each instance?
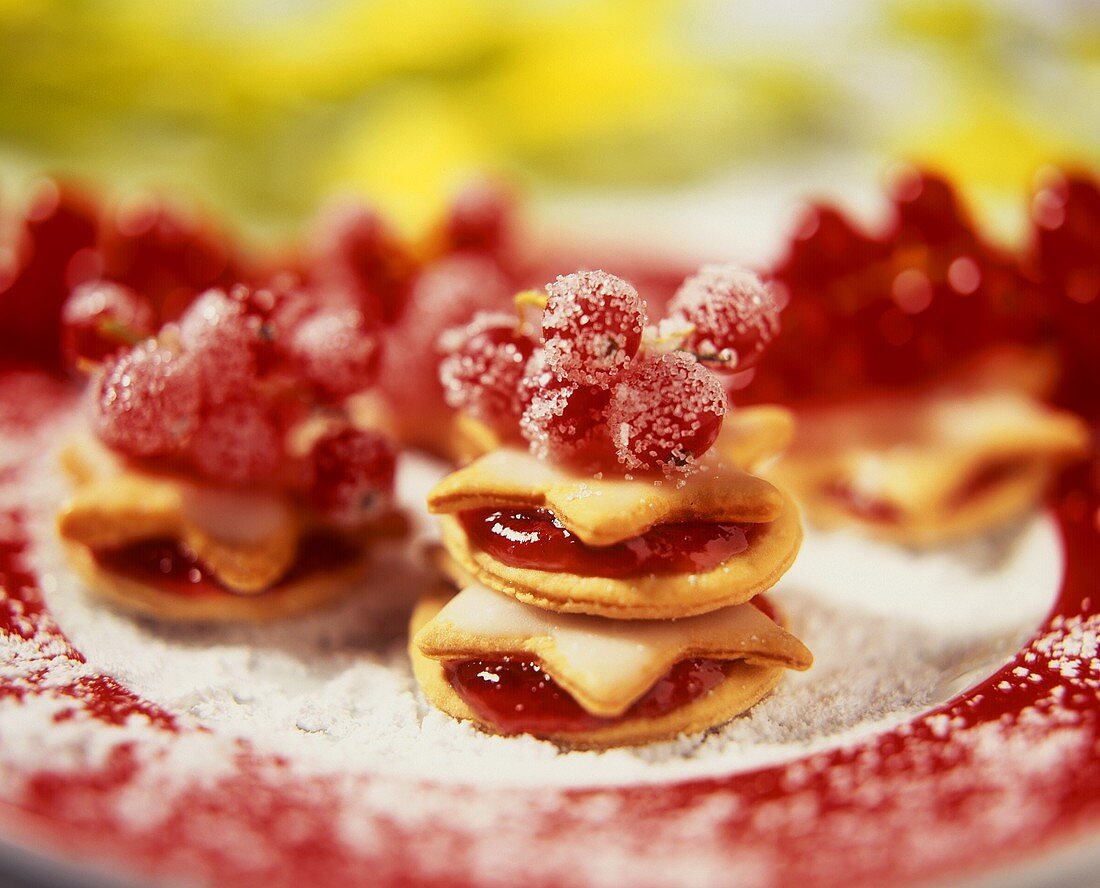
(744, 686)
(659, 597)
(314, 591)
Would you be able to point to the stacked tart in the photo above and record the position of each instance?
(610, 572)
(960, 456)
(223, 476)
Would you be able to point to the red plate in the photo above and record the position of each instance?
(1003, 773)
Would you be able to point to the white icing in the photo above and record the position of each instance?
(234, 516)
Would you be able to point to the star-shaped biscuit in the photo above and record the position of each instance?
(247, 539)
(606, 665)
(943, 463)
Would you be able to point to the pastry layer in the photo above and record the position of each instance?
(600, 512)
(605, 664)
(282, 600)
(744, 685)
(771, 552)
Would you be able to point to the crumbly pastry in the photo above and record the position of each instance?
(605, 574)
(771, 551)
(249, 542)
(606, 665)
(952, 461)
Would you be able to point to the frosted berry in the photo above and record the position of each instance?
(101, 318)
(481, 218)
(592, 327)
(236, 442)
(565, 422)
(336, 352)
(146, 402)
(734, 313)
(665, 412)
(484, 368)
(355, 255)
(221, 338)
(349, 475)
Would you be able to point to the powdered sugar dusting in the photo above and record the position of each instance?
(334, 692)
(254, 754)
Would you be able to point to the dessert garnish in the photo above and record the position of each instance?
(612, 508)
(225, 476)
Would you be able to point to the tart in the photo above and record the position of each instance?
(590, 682)
(175, 548)
(633, 549)
(234, 468)
(607, 572)
(955, 459)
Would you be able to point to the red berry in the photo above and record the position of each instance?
(592, 327)
(163, 252)
(665, 412)
(236, 442)
(221, 338)
(734, 314)
(101, 318)
(484, 368)
(336, 352)
(565, 422)
(356, 255)
(448, 292)
(480, 218)
(349, 475)
(146, 402)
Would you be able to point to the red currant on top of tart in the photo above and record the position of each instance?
(918, 362)
(222, 476)
(610, 538)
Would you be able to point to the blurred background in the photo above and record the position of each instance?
(691, 124)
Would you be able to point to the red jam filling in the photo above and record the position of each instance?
(986, 478)
(170, 566)
(869, 508)
(516, 696)
(536, 539)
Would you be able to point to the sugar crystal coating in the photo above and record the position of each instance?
(100, 318)
(484, 368)
(592, 327)
(220, 337)
(146, 402)
(665, 412)
(236, 442)
(336, 352)
(563, 421)
(734, 313)
(349, 475)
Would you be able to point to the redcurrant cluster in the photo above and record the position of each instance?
(596, 387)
(221, 392)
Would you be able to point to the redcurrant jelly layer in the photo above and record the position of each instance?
(536, 539)
(516, 696)
(170, 566)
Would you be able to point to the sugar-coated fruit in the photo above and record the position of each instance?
(236, 442)
(349, 474)
(592, 327)
(147, 401)
(99, 319)
(221, 337)
(734, 315)
(665, 412)
(484, 368)
(336, 352)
